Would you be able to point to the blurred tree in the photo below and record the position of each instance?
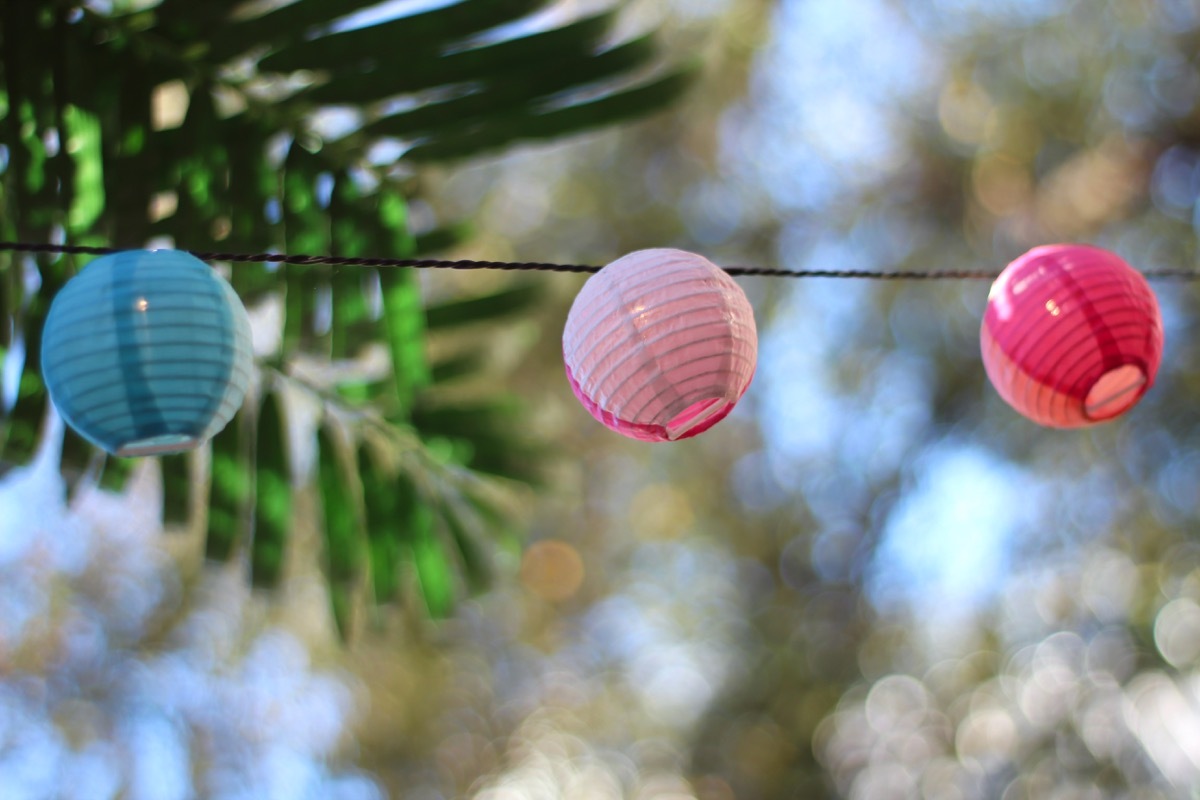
(967, 605)
(913, 591)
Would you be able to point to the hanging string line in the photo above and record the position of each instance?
(533, 266)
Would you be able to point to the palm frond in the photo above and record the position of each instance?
(94, 157)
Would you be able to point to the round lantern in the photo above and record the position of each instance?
(660, 345)
(147, 352)
(1072, 335)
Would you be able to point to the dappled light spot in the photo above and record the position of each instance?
(1177, 632)
(661, 511)
(1002, 184)
(963, 110)
(553, 570)
(169, 105)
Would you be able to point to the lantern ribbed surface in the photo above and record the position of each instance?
(1072, 335)
(147, 352)
(660, 345)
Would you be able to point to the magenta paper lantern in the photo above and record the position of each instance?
(660, 345)
(1072, 335)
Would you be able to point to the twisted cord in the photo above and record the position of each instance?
(534, 266)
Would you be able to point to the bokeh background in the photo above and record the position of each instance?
(874, 580)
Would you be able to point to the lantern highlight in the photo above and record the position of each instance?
(1072, 335)
(660, 345)
(147, 352)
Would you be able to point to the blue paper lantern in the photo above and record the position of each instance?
(147, 352)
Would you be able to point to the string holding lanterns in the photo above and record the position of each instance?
(148, 352)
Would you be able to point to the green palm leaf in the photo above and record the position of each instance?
(248, 169)
(340, 491)
(273, 495)
(504, 62)
(389, 505)
(231, 492)
(417, 34)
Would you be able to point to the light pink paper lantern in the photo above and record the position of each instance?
(660, 345)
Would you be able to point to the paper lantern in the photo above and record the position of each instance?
(147, 352)
(660, 345)
(1072, 335)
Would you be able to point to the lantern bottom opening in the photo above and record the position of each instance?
(692, 421)
(696, 415)
(158, 445)
(1116, 392)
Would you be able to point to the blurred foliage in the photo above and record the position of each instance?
(294, 127)
(889, 657)
(897, 588)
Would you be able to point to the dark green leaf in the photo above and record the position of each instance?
(389, 502)
(341, 602)
(418, 35)
(505, 455)
(459, 366)
(393, 72)
(350, 206)
(22, 427)
(189, 21)
(496, 414)
(10, 290)
(404, 320)
(351, 235)
(487, 308)
(364, 392)
(607, 110)
(306, 230)
(434, 574)
(445, 238)
(116, 472)
(84, 147)
(339, 506)
(339, 489)
(288, 23)
(129, 164)
(177, 488)
(252, 185)
(493, 431)
(476, 562)
(501, 94)
(273, 495)
(231, 492)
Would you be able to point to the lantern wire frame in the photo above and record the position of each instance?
(1166, 273)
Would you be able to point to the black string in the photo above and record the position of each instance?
(534, 266)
